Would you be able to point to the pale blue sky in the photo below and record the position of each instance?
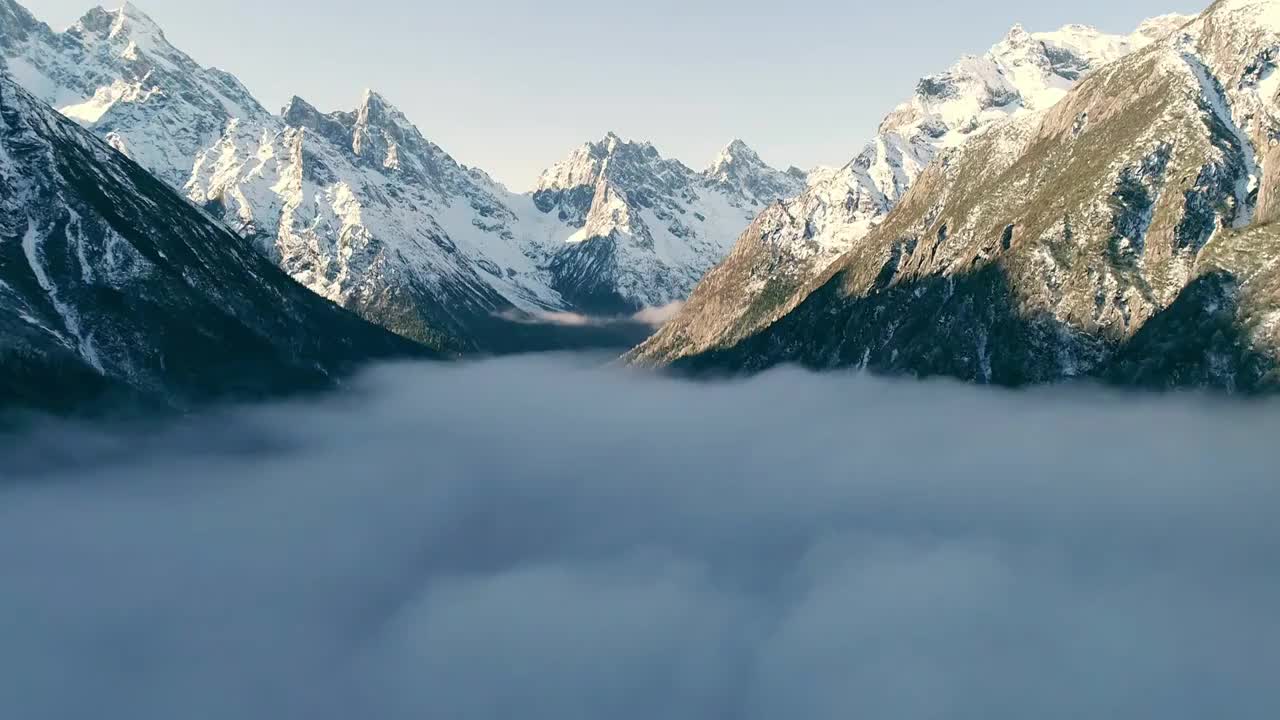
(511, 86)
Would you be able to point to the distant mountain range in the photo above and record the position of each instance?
(1070, 204)
(365, 211)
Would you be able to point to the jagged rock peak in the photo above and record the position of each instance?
(297, 106)
(1017, 35)
(612, 140)
(739, 172)
(373, 112)
(736, 154)
(377, 133)
(613, 143)
(124, 22)
(611, 156)
(301, 114)
(374, 108)
(115, 71)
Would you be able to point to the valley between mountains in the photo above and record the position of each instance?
(1069, 204)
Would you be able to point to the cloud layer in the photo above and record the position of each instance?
(545, 539)
(651, 317)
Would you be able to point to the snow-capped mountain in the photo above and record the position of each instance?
(789, 244)
(113, 286)
(364, 210)
(648, 228)
(1126, 233)
(116, 74)
(739, 173)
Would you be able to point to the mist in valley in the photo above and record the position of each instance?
(550, 538)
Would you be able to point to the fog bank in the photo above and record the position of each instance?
(530, 538)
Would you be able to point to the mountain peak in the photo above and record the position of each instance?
(295, 101)
(611, 142)
(125, 23)
(739, 172)
(299, 113)
(1016, 40)
(372, 113)
(374, 108)
(1160, 27)
(297, 109)
(736, 153)
(131, 21)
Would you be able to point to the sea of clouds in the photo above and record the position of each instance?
(547, 539)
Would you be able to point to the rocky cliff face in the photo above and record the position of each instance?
(114, 287)
(1125, 233)
(790, 244)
